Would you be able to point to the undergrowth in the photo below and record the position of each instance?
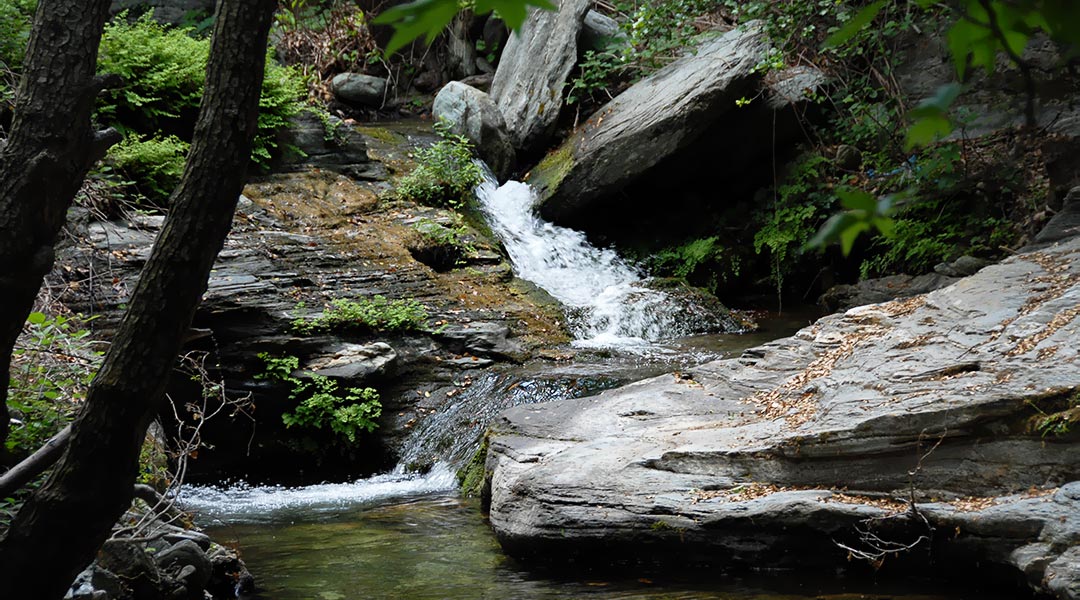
(322, 402)
(364, 315)
(445, 174)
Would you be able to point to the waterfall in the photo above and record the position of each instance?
(607, 303)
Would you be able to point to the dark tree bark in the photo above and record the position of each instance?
(47, 155)
(58, 531)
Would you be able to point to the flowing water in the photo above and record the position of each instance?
(606, 299)
(409, 536)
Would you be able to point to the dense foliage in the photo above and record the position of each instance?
(163, 69)
(364, 315)
(322, 402)
(445, 172)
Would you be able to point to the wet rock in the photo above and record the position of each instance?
(781, 458)
(359, 89)
(354, 361)
(697, 311)
(534, 69)
(230, 577)
(474, 115)
(186, 562)
(308, 144)
(130, 562)
(881, 289)
(484, 339)
(650, 121)
(95, 583)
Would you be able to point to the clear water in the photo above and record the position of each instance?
(606, 299)
(437, 546)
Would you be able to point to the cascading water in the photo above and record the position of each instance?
(607, 301)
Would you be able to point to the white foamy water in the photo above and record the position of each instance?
(607, 303)
(241, 503)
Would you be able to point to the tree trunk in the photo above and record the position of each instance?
(58, 531)
(47, 155)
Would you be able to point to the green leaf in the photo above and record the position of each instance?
(856, 199)
(36, 318)
(850, 234)
(927, 129)
(855, 25)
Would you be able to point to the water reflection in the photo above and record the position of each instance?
(438, 547)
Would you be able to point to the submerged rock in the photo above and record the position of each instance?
(533, 70)
(803, 453)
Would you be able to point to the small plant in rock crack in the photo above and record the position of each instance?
(322, 402)
(374, 314)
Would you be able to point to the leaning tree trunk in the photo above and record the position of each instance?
(58, 531)
(47, 155)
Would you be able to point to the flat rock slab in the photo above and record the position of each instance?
(651, 120)
(799, 452)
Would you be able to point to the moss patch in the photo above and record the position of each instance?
(471, 476)
(550, 172)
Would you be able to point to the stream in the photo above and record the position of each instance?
(411, 536)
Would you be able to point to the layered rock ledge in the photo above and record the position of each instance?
(808, 451)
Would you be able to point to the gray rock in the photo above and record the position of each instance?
(308, 144)
(961, 267)
(187, 563)
(483, 339)
(792, 86)
(742, 465)
(533, 70)
(599, 32)
(1065, 224)
(474, 115)
(881, 289)
(650, 121)
(359, 89)
(354, 361)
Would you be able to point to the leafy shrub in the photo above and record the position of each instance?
(152, 165)
(347, 412)
(445, 174)
(704, 262)
(51, 369)
(376, 314)
(163, 69)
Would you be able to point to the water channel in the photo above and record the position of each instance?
(410, 536)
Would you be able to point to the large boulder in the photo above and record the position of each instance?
(804, 453)
(473, 114)
(651, 120)
(359, 89)
(533, 70)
